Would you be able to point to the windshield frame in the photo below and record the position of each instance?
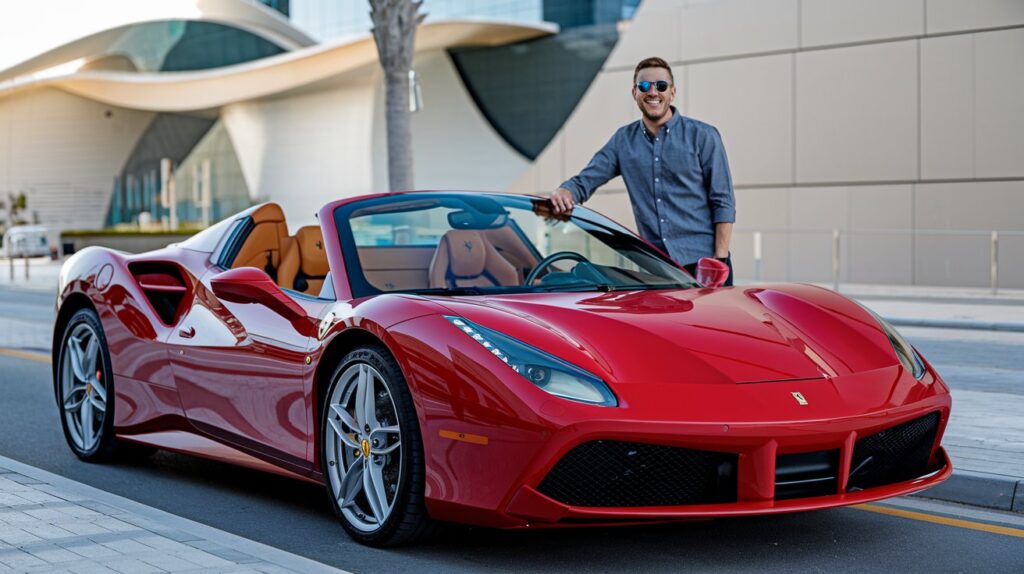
(361, 287)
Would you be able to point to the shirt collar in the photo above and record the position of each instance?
(671, 124)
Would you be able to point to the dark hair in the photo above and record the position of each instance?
(653, 63)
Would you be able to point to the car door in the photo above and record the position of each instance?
(239, 369)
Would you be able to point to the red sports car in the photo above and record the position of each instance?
(474, 358)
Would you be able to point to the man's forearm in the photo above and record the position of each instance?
(723, 235)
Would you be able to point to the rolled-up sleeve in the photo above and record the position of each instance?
(717, 179)
(602, 168)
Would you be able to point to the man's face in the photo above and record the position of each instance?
(654, 104)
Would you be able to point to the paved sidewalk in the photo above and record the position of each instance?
(52, 524)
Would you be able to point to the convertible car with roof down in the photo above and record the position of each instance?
(476, 358)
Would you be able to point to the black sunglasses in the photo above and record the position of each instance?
(660, 85)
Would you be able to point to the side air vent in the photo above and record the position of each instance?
(806, 474)
(164, 286)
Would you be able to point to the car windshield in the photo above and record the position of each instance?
(462, 243)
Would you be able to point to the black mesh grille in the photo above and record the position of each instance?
(614, 473)
(894, 454)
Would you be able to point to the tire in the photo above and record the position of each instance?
(357, 457)
(85, 383)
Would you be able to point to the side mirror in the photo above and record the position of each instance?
(252, 285)
(711, 272)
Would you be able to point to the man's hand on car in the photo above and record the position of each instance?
(561, 201)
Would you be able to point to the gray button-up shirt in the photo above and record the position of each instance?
(678, 182)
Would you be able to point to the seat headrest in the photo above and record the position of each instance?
(467, 252)
(311, 248)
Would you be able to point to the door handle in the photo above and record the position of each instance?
(187, 333)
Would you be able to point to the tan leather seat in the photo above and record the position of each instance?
(464, 258)
(304, 264)
(266, 242)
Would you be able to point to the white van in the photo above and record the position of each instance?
(26, 241)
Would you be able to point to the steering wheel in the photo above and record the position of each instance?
(547, 261)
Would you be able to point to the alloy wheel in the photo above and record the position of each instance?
(363, 447)
(83, 388)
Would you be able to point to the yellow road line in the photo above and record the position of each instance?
(23, 355)
(1004, 530)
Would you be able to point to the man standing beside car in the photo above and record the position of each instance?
(675, 170)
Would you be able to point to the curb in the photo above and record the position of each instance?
(956, 324)
(983, 489)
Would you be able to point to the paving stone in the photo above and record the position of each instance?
(16, 536)
(91, 568)
(19, 560)
(92, 550)
(83, 528)
(131, 566)
(53, 553)
(204, 559)
(168, 562)
(126, 546)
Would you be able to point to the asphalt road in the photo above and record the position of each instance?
(295, 517)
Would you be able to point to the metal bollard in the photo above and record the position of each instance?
(835, 260)
(757, 255)
(10, 262)
(995, 263)
(26, 267)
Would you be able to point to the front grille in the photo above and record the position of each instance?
(895, 454)
(615, 473)
(806, 474)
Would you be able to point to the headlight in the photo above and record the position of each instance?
(548, 372)
(904, 350)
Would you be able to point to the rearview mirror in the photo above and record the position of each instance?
(712, 272)
(252, 285)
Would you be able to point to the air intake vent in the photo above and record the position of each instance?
(895, 454)
(614, 473)
(806, 474)
(164, 286)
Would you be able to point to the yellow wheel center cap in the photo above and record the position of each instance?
(365, 445)
(88, 389)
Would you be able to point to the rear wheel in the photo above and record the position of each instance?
(85, 388)
(371, 451)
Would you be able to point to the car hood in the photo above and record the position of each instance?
(713, 336)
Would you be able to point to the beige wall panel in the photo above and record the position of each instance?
(527, 182)
(767, 211)
(999, 61)
(774, 257)
(305, 150)
(654, 31)
(967, 206)
(1011, 254)
(876, 253)
(958, 15)
(550, 164)
(615, 204)
(947, 107)
(454, 145)
(884, 259)
(856, 113)
(825, 22)
(813, 214)
(605, 107)
(952, 260)
(716, 28)
(750, 101)
(64, 152)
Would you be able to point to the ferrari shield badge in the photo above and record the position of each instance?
(799, 398)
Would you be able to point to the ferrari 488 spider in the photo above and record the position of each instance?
(474, 358)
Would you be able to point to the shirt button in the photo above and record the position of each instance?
(655, 180)
(657, 158)
(663, 221)
(659, 200)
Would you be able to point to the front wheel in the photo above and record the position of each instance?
(85, 388)
(371, 451)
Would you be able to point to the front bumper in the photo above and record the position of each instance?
(540, 510)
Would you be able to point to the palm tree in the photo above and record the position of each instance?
(394, 29)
